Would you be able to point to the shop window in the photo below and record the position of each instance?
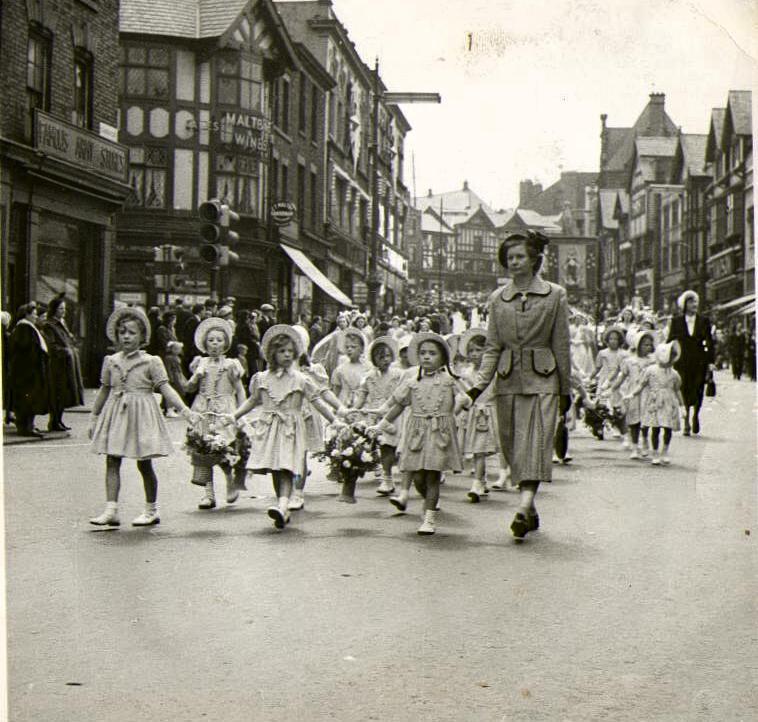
(240, 82)
(82, 115)
(237, 183)
(38, 59)
(144, 72)
(148, 171)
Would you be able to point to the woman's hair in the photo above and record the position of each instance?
(534, 243)
(168, 317)
(25, 309)
(304, 360)
(480, 341)
(444, 353)
(277, 343)
(132, 317)
(55, 304)
(377, 347)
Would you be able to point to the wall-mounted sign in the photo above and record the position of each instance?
(80, 147)
(643, 278)
(282, 212)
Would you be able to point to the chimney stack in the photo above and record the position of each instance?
(658, 98)
(465, 185)
(429, 195)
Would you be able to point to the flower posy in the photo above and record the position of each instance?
(350, 451)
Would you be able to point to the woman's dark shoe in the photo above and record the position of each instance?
(520, 526)
(533, 521)
(696, 425)
(36, 433)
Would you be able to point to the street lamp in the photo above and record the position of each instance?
(389, 99)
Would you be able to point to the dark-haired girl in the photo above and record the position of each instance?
(430, 440)
(528, 349)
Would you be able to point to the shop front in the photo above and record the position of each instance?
(58, 198)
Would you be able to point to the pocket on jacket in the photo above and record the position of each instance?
(505, 363)
(543, 361)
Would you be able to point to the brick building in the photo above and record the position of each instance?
(350, 131)
(61, 178)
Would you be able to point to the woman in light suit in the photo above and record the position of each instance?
(528, 348)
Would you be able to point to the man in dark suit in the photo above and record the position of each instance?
(267, 318)
(187, 335)
(693, 332)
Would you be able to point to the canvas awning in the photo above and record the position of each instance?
(735, 302)
(306, 266)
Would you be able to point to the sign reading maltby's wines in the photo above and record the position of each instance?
(80, 147)
(282, 212)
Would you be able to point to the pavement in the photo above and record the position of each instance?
(637, 600)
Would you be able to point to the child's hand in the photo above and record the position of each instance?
(228, 419)
(374, 430)
(342, 412)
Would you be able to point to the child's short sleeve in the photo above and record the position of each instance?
(402, 395)
(310, 389)
(319, 375)
(158, 373)
(337, 379)
(234, 367)
(105, 372)
(255, 388)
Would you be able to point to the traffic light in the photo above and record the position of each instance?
(215, 232)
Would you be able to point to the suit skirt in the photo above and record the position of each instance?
(526, 424)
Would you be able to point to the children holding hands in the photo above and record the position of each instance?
(126, 421)
(430, 441)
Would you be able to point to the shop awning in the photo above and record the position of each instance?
(735, 302)
(750, 308)
(306, 266)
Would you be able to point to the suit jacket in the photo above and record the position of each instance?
(527, 340)
(698, 349)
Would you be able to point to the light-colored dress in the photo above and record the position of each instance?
(276, 428)
(479, 421)
(348, 377)
(582, 357)
(131, 423)
(430, 439)
(634, 366)
(610, 363)
(314, 425)
(216, 393)
(375, 389)
(661, 406)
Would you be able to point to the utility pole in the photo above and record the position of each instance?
(373, 246)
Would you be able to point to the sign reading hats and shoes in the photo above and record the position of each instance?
(282, 212)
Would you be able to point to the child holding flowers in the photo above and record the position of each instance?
(375, 389)
(218, 381)
(430, 443)
(314, 428)
(126, 421)
(276, 428)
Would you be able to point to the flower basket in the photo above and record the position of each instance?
(210, 449)
(350, 452)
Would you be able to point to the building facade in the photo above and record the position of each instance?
(62, 175)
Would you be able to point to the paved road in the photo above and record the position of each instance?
(637, 600)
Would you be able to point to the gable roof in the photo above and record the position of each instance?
(690, 155)
(739, 111)
(461, 202)
(656, 147)
(525, 218)
(715, 132)
(432, 223)
(570, 188)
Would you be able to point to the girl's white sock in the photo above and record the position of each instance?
(111, 506)
(210, 492)
(151, 507)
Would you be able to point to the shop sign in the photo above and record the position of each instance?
(244, 131)
(282, 212)
(80, 147)
(360, 292)
(643, 278)
(721, 267)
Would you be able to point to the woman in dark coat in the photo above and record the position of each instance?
(5, 353)
(28, 371)
(66, 385)
(693, 331)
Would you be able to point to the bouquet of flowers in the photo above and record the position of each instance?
(211, 448)
(598, 417)
(350, 451)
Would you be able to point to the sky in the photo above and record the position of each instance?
(524, 82)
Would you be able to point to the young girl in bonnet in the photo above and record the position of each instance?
(126, 421)
(276, 427)
(218, 381)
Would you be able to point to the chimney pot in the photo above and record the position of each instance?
(465, 185)
(430, 193)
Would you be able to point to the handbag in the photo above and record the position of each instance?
(710, 388)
